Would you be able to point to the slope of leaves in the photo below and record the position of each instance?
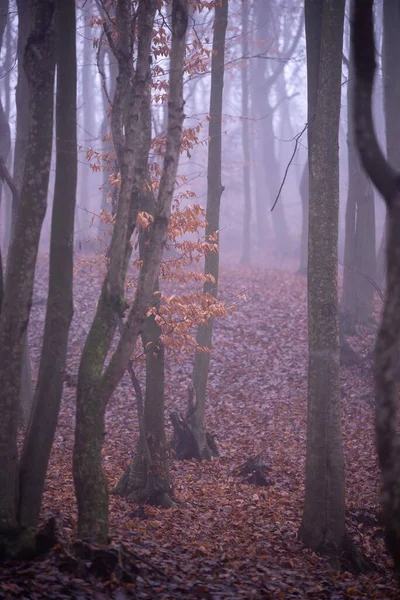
(225, 538)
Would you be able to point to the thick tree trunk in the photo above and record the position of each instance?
(95, 387)
(323, 522)
(214, 193)
(386, 179)
(40, 67)
(42, 425)
(246, 249)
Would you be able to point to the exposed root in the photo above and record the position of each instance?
(190, 440)
(253, 471)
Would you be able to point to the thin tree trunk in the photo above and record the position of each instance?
(95, 387)
(214, 193)
(147, 477)
(246, 249)
(20, 150)
(40, 67)
(42, 425)
(323, 522)
(359, 250)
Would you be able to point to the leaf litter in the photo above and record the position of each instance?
(226, 538)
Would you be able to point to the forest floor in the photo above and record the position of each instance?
(225, 539)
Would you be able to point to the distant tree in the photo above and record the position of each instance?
(323, 522)
(39, 61)
(96, 383)
(304, 195)
(265, 75)
(386, 179)
(246, 248)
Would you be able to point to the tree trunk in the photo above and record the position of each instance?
(323, 522)
(95, 387)
(386, 179)
(42, 425)
(21, 143)
(39, 67)
(359, 251)
(147, 477)
(246, 249)
(214, 193)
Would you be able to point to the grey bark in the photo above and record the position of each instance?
(147, 477)
(386, 179)
(20, 150)
(95, 387)
(43, 421)
(323, 521)
(359, 251)
(214, 193)
(39, 67)
(246, 248)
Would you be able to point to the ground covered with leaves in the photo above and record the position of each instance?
(227, 538)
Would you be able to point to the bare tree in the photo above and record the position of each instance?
(96, 384)
(246, 249)
(323, 522)
(40, 67)
(196, 410)
(43, 421)
(386, 179)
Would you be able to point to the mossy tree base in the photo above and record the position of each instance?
(24, 543)
(144, 483)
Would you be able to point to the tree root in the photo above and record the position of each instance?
(253, 471)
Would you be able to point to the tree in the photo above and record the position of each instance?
(5, 138)
(386, 179)
(359, 251)
(246, 250)
(20, 150)
(323, 522)
(211, 265)
(40, 67)
(96, 383)
(43, 421)
(147, 478)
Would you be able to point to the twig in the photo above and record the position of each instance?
(297, 138)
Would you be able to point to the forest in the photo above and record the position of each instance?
(199, 299)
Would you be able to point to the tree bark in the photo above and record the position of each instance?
(42, 425)
(147, 477)
(359, 251)
(22, 101)
(214, 193)
(39, 67)
(95, 387)
(246, 249)
(386, 179)
(323, 522)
